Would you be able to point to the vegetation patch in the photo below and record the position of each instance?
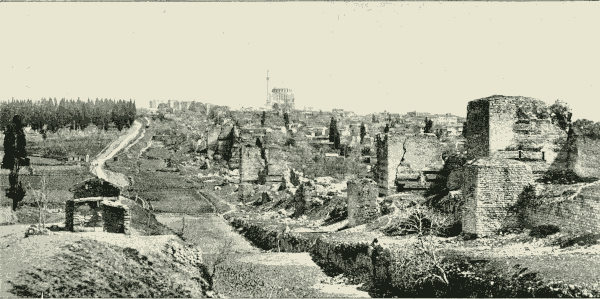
(241, 279)
(91, 268)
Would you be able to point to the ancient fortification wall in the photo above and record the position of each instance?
(404, 157)
(585, 157)
(579, 215)
(491, 186)
(362, 202)
(499, 123)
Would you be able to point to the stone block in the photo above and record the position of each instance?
(362, 202)
(491, 186)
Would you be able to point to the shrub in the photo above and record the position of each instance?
(542, 231)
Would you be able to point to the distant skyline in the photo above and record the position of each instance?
(363, 57)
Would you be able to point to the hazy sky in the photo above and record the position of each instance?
(363, 57)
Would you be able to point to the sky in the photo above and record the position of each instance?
(363, 57)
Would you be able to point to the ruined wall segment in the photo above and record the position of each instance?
(362, 202)
(579, 215)
(251, 163)
(500, 126)
(404, 158)
(478, 128)
(490, 188)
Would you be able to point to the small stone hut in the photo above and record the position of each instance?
(96, 204)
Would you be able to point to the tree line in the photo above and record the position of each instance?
(50, 115)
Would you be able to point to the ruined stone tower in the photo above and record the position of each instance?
(508, 123)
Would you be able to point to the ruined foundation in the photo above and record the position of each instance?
(491, 186)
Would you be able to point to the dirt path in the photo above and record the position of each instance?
(97, 166)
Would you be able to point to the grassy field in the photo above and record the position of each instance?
(64, 142)
(575, 268)
(177, 201)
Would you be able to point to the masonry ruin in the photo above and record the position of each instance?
(362, 202)
(492, 186)
(510, 141)
(515, 127)
(95, 205)
(403, 160)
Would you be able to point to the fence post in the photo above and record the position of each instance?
(544, 156)
(520, 154)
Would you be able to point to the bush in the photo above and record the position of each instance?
(542, 231)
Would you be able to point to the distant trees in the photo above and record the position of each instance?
(387, 128)
(587, 128)
(263, 118)
(15, 156)
(51, 115)
(464, 131)
(363, 132)
(374, 119)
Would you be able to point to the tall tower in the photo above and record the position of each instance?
(268, 98)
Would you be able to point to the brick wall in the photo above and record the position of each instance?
(576, 216)
(362, 202)
(490, 187)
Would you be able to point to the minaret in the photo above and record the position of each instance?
(268, 99)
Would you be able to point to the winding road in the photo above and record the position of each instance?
(97, 166)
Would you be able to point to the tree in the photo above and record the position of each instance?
(386, 129)
(286, 119)
(15, 156)
(428, 125)
(363, 132)
(332, 129)
(464, 131)
(276, 106)
(374, 119)
(263, 118)
(336, 140)
(561, 114)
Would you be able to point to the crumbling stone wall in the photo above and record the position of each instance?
(75, 220)
(500, 123)
(491, 186)
(405, 158)
(579, 215)
(362, 202)
(117, 217)
(251, 163)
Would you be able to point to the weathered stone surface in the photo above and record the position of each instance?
(490, 187)
(251, 163)
(505, 123)
(362, 202)
(403, 158)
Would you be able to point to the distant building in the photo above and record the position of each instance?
(283, 97)
(445, 120)
(185, 105)
(153, 103)
(415, 114)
